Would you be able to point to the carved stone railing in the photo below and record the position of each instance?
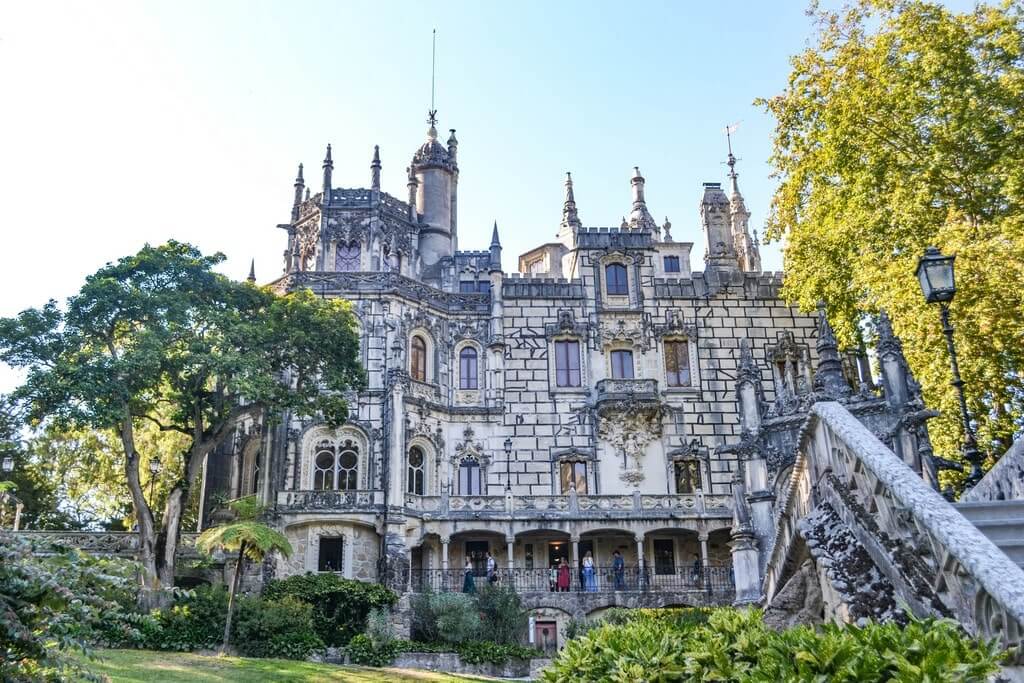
(615, 393)
(384, 283)
(572, 506)
(1005, 481)
(119, 543)
(937, 561)
(333, 501)
(424, 390)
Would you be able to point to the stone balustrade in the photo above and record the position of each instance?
(335, 501)
(573, 506)
(937, 561)
(120, 543)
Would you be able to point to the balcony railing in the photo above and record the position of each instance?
(617, 389)
(337, 501)
(714, 579)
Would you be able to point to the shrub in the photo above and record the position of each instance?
(194, 622)
(275, 628)
(502, 615)
(481, 652)
(735, 645)
(340, 606)
(50, 604)
(362, 651)
(379, 627)
(423, 622)
(456, 616)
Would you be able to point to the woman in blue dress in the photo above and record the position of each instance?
(589, 576)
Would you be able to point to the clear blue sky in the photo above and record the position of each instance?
(129, 122)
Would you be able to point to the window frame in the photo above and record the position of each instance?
(616, 365)
(577, 471)
(349, 259)
(469, 368)
(418, 369)
(416, 474)
(674, 260)
(671, 350)
(473, 474)
(339, 541)
(621, 285)
(694, 473)
(569, 358)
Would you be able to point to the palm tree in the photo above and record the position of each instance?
(252, 539)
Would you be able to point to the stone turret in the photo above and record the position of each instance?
(714, 218)
(639, 217)
(436, 174)
(828, 378)
(747, 252)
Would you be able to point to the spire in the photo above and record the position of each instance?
(412, 184)
(328, 169)
(731, 162)
(375, 169)
(453, 144)
(747, 252)
(570, 216)
(495, 260)
(306, 196)
(640, 218)
(828, 377)
(252, 270)
(300, 185)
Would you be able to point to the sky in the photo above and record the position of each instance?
(124, 123)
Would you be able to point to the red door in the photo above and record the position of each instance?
(546, 636)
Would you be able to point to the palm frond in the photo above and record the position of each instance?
(259, 539)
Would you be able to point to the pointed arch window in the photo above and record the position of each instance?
(416, 474)
(418, 359)
(468, 368)
(617, 283)
(346, 257)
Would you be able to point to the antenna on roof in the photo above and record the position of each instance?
(432, 117)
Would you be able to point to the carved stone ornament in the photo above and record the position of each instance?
(468, 448)
(676, 324)
(634, 330)
(629, 431)
(566, 324)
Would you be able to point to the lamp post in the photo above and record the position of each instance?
(936, 277)
(508, 464)
(154, 470)
(7, 465)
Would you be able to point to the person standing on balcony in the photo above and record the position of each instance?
(563, 576)
(619, 570)
(492, 569)
(589, 578)
(553, 577)
(468, 582)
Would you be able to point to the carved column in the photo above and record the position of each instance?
(575, 558)
(444, 562)
(396, 495)
(703, 538)
(510, 546)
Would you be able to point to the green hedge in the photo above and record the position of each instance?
(340, 606)
(275, 628)
(361, 651)
(735, 645)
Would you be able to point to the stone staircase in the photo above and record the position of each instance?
(1002, 522)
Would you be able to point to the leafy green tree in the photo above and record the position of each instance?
(250, 538)
(160, 338)
(900, 129)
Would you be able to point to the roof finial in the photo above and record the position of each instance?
(731, 160)
(570, 216)
(375, 169)
(495, 242)
(432, 113)
(328, 168)
(252, 272)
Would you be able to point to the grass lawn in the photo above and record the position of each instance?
(143, 666)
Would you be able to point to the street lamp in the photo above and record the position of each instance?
(508, 464)
(154, 470)
(935, 274)
(8, 464)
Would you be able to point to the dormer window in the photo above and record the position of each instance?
(672, 264)
(616, 279)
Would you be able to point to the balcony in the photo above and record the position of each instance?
(572, 506)
(622, 394)
(335, 501)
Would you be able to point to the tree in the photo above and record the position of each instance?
(252, 539)
(900, 129)
(160, 338)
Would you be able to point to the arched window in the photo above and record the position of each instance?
(418, 359)
(468, 368)
(417, 465)
(346, 257)
(617, 282)
(469, 477)
(336, 466)
(323, 467)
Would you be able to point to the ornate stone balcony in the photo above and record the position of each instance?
(335, 501)
(120, 543)
(572, 506)
(622, 394)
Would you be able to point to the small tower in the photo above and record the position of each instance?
(328, 170)
(714, 218)
(739, 218)
(435, 171)
(495, 260)
(639, 217)
(252, 272)
(300, 185)
(570, 217)
(375, 169)
(828, 377)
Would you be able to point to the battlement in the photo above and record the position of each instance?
(604, 238)
(519, 286)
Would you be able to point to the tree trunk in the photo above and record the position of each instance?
(150, 580)
(236, 579)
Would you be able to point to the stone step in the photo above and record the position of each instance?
(1002, 530)
(992, 510)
